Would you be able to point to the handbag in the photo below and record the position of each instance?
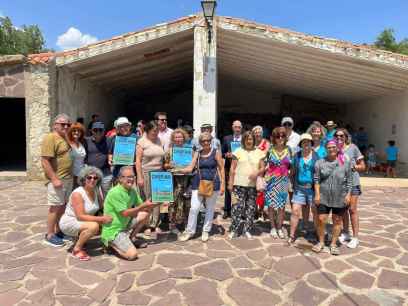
(205, 187)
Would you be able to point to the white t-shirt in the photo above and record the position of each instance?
(293, 141)
(78, 157)
(165, 138)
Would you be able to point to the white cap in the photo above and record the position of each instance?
(287, 119)
(122, 120)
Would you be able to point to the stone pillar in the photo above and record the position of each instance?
(205, 78)
(40, 109)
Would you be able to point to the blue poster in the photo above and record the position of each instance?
(181, 156)
(235, 145)
(161, 184)
(124, 152)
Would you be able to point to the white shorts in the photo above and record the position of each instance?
(59, 196)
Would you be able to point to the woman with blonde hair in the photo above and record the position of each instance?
(208, 183)
(178, 210)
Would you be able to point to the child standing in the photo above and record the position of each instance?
(371, 159)
(392, 157)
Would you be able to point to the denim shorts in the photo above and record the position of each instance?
(303, 196)
(356, 190)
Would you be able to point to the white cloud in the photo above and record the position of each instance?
(73, 38)
(2, 15)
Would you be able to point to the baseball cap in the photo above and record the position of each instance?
(287, 120)
(122, 121)
(188, 128)
(98, 125)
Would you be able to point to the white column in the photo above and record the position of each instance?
(205, 78)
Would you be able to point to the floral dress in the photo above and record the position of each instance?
(277, 177)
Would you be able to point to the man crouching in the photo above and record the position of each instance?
(129, 215)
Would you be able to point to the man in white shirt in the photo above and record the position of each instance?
(293, 137)
(164, 131)
(215, 142)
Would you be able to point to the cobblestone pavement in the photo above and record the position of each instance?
(241, 272)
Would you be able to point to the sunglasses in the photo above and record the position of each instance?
(63, 124)
(92, 177)
(76, 131)
(340, 136)
(139, 125)
(129, 177)
(165, 120)
(280, 136)
(97, 130)
(287, 124)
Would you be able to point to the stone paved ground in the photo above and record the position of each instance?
(221, 272)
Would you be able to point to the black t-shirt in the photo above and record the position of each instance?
(97, 153)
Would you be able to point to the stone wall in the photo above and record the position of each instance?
(40, 109)
(12, 81)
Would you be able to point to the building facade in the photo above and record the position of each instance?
(249, 71)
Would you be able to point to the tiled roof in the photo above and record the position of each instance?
(241, 23)
(40, 58)
(254, 25)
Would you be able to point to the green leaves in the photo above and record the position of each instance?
(386, 41)
(24, 40)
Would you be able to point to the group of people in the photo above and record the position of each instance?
(89, 194)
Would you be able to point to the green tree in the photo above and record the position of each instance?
(24, 40)
(386, 41)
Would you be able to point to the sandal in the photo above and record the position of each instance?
(81, 255)
(291, 241)
(317, 248)
(334, 250)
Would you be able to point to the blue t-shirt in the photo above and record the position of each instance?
(321, 151)
(392, 153)
(330, 135)
(305, 172)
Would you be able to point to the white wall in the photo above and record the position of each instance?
(80, 98)
(378, 117)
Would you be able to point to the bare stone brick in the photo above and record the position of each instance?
(307, 296)
(67, 287)
(84, 277)
(217, 270)
(103, 290)
(125, 282)
(246, 294)
(161, 289)
(133, 298)
(358, 280)
(179, 261)
(152, 276)
(393, 280)
(11, 298)
(141, 264)
(200, 293)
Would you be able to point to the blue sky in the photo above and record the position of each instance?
(85, 21)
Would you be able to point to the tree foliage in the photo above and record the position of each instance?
(387, 41)
(24, 40)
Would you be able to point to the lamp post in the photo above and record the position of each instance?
(209, 11)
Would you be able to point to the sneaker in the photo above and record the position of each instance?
(175, 231)
(205, 236)
(248, 235)
(344, 238)
(281, 235)
(274, 234)
(353, 243)
(185, 236)
(54, 241)
(232, 235)
(64, 237)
